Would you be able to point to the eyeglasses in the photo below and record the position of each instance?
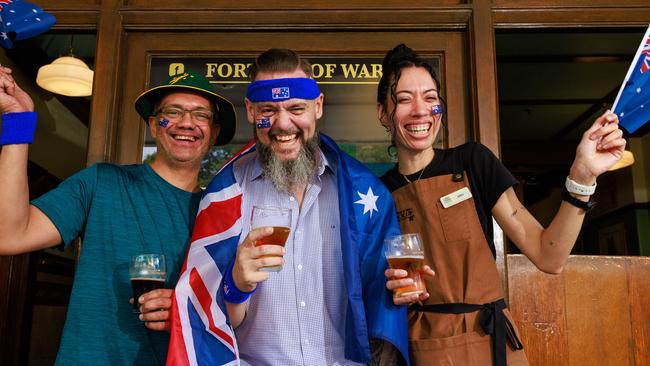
(199, 116)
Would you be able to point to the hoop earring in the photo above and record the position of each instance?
(392, 150)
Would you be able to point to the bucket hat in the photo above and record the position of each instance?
(225, 111)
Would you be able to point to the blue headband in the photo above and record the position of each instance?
(277, 90)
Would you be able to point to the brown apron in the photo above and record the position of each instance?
(464, 321)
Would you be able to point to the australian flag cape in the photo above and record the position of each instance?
(200, 329)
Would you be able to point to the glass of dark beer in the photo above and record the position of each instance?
(405, 252)
(147, 273)
(279, 219)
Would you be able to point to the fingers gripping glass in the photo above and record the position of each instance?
(405, 252)
(280, 220)
(200, 116)
(147, 273)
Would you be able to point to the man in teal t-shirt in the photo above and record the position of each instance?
(118, 212)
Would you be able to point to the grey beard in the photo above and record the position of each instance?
(292, 173)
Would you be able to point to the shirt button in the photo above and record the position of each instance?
(303, 304)
(300, 266)
(291, 199)
(306, 341)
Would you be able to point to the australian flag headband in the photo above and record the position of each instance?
(282, 89)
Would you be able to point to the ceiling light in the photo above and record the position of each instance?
(67, 76)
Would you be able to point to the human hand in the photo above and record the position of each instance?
(601, 146)
(155, 308)
(250, 259)
(397, 279)
(12, 97)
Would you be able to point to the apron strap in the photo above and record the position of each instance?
(492, 319)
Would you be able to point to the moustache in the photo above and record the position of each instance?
(273, 132)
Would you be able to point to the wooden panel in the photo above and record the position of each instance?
(13, 287)
(245, 19)
(73, 14)
(101, 135)
(76, 5)
(75, 20)
(568, 3)
(639, 287)
(142, 46)
(571, 17)
(454, 82)
(594, 313)
(293, 4)
(597, 312)
(484, 63)
(130, 129)
(537, 302)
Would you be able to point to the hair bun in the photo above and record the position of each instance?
(398, 55)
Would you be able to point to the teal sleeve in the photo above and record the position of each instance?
(67, 206)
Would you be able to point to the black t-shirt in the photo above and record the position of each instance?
(488, 178)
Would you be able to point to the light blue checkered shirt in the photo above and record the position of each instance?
(297, 316)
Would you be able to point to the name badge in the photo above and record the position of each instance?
(456, 197)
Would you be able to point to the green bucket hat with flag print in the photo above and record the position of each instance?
(191, 81)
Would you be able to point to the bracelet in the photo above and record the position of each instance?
(586, 206)
(577, 188)
(230, 291)
(17, 128)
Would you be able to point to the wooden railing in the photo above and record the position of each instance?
(597, 312)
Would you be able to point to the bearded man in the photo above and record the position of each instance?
(328, 304)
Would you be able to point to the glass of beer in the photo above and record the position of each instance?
(147, 273)
(405, 252)
(279, 219)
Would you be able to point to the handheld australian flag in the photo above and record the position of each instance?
(632, 104)
(21, 20)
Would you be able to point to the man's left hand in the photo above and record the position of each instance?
(155, 309)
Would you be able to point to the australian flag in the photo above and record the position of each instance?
(632, 105)
(280, 93)
(201, 333)
(21, 20)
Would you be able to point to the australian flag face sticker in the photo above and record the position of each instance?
(280, 93)
(263, 123)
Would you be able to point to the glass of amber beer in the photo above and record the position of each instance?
(405, 252)
(279, 219)
(147, 273)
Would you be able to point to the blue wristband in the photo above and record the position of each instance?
(230, 291)
(17, 128)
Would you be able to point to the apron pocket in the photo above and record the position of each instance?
(454, 220)
(459, 350)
